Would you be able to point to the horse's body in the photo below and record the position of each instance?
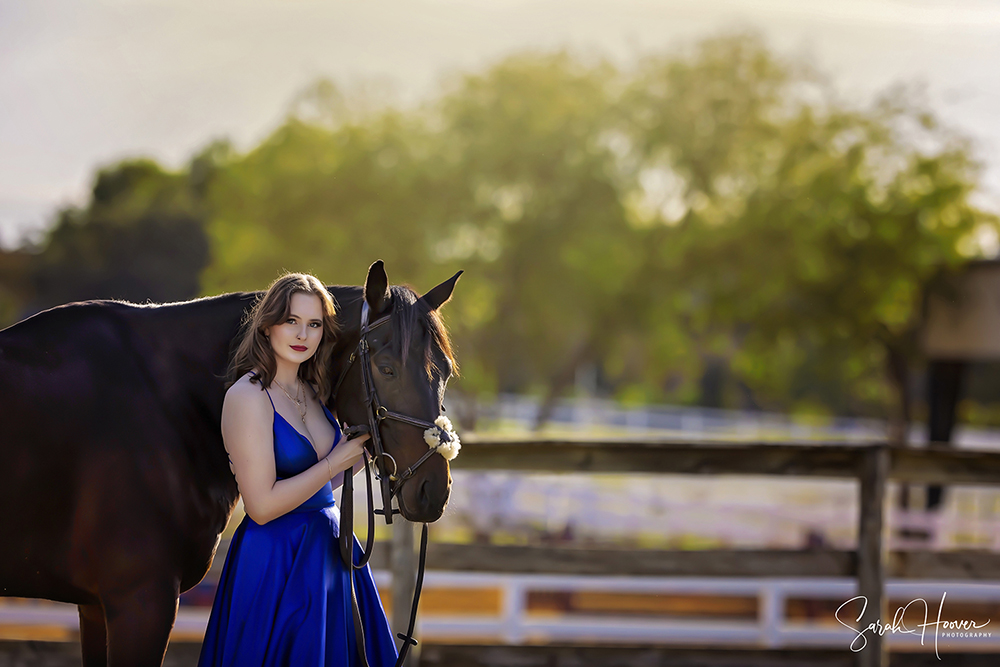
(114, 481)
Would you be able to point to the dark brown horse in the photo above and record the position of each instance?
(114, 482)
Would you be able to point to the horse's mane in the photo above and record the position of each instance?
(408, 312)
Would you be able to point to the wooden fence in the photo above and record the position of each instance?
(872, 464)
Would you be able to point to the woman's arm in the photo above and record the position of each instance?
(338, 479)
(247, 432)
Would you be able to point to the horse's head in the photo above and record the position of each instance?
(411, 362)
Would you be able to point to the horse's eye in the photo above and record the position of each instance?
(386, 371)
(442, 407)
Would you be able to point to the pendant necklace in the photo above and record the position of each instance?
(300, 403)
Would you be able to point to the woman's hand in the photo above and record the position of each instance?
(348, 453)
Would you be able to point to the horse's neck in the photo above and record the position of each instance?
(348, 298)
(349, 318)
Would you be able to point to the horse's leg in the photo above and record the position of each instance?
(93, 635)
(139, 625)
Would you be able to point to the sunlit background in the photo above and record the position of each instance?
(84, 84)
(702, 219)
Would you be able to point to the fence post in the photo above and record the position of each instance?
(404, 572)
(872, 552)
(772, 604)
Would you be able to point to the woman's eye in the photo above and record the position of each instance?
(316, 325)
(290, 320)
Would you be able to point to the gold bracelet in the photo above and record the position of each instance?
(329, 466)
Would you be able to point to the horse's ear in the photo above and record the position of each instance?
(438, 296)
(377, 287)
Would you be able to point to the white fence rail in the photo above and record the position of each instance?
(771, 629)
(515, 624)
(696, 423)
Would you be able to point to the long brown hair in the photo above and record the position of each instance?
(254, 351)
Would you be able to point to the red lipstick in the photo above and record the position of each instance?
(299, 348)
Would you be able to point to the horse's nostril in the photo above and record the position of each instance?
(425, 500)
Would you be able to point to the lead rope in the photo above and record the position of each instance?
(347, 543)
(346, 552)
(408, 639)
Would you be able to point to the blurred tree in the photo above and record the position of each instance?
(140, 238)
(15, 288)
(801, 229)
(713, 220)
(714, 226)
(329, 200)
(543, 232)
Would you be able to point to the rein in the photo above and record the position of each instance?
(390, 481)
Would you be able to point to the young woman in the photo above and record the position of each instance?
(284, 597)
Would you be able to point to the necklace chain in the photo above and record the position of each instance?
(300, 403)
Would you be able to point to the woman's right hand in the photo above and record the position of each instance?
(348, 453)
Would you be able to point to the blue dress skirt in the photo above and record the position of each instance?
(284, 597)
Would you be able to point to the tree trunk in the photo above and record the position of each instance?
(900, 415)
(899, 379)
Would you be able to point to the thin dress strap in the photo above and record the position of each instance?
(266, 392)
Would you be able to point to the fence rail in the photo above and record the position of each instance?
(771, 577)
(932, 464)
(968, 565)
(873, 464)
(769, 626)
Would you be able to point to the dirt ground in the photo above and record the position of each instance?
(184, 654)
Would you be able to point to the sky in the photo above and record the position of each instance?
(85, 83)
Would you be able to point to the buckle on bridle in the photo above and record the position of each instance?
(395, 468)
(381, 412)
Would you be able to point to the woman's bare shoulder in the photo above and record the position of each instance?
(244, 394)
(246, 416)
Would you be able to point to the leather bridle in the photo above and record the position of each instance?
(390, 481)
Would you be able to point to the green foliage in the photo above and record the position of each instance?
(801, 232)
(140, 238)
(712, 225)
(14, 290)
(555, 255)
(324, 200)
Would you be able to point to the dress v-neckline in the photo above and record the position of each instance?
(329, 417)
(326, 411)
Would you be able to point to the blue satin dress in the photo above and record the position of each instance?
(284, 597)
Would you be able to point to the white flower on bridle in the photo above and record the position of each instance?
(443, 439)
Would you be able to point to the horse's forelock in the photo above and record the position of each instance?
(408, 313)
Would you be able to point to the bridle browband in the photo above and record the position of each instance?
(390, 482)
